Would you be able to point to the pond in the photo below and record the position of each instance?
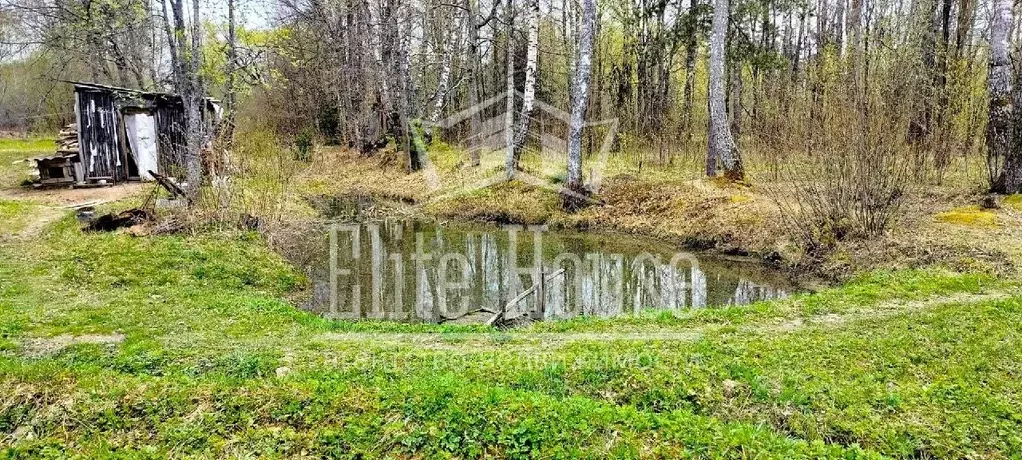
(415, 271)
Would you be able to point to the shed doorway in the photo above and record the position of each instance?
(141, 130)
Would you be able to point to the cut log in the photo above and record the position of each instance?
(166, 183)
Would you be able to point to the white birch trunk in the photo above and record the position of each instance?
(529, 93)
(509, 111)
(441, 88)
(579, 97)
(721, 144)
(473, 77)
(452, 46)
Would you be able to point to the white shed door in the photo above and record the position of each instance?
(141, 128)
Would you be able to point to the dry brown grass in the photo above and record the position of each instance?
(337, 171)
(939, 226)
(508, 202)
(696, 213)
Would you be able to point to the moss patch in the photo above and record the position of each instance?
(970, 216)
(1013, 202)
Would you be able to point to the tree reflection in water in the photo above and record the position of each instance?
(424, 272)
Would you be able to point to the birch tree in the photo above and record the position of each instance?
(449, 46)
(529, 93)
(1002, 156)
(579, 99)
(722, 146)
(511, 164)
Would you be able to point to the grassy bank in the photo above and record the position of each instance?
(186, 345)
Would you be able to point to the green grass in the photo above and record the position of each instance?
(29, 145)
(14, 215)
(208, 328)
(15, 149)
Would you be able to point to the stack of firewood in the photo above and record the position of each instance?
(67, 140)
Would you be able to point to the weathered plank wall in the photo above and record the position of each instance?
(98, 132)
(170, 130)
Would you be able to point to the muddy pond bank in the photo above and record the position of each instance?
(696, 214)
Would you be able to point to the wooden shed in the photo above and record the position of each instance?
(124, 133)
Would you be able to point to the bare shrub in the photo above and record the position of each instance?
(849, 161)
(258, 184)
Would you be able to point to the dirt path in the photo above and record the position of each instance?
(880, 311)
(54, 203)
(72, 197)
(39, 221)
(454, 341)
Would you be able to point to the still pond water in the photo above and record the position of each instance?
(415, 271)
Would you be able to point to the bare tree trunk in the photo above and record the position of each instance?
(579, 99)
(473, 79)
(796, 65)
(853, 24)
(194, 105)
(721, 143)
(176, 71)
(185, 63)
(451, 46)
(691, 46)
(596, 106)
(1010, 179)
(529, 93)
(921, 125)
(230, 92)
(1000, 135)
(963, 29)
(734, 99)
(839, 24)
(511, 163)
(822, 32)
(406, 103)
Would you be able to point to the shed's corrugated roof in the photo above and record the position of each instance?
(117, 89)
